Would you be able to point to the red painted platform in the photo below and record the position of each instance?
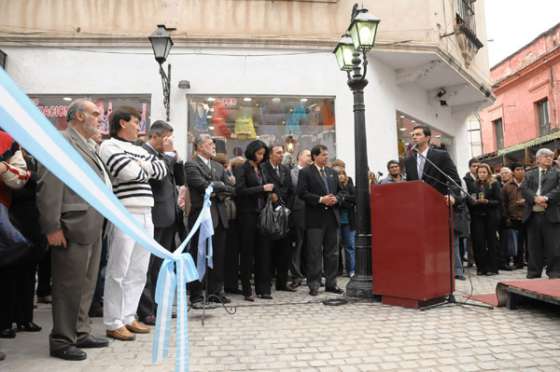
(510, 292)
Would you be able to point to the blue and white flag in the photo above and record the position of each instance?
(29, 127)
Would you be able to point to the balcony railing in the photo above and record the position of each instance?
(466, 21)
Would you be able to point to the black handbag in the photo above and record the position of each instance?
(273, 222)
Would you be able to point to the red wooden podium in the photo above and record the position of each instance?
(410, 244)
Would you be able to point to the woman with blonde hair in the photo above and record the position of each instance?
(484, 206)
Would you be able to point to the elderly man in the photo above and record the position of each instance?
(201, 172)
(73, 230)
(541, 190)
(131, 168)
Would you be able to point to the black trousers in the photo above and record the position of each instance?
(17, 288)
(255, 256)
(44, 275)
(322, 253)
(147, 305)
(280, 252)
(231, 264)
(485, 242)
(297, 235)
(543, 246)
(214, 277)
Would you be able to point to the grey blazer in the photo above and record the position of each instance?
(60, 207)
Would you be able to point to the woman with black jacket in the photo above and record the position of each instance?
(251, 196)
(485, 216)
(348, 221)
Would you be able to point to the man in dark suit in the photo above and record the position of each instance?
(73, 230)
(164, 211)
(278, 174)
(297, 221)
(541, 191)
(200, 173)
(318, 187)
(418, 168)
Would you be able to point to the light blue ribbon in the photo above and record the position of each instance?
(174, 275)
(28, 126)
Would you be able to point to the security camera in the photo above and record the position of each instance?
(441, 93)
(184, 84)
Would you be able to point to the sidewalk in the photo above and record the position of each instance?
(315, 337)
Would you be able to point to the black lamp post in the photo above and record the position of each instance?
(161, 44)
(351, 55)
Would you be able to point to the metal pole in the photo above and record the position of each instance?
(361, 284)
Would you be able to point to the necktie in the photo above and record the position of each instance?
(542, 173)
(277, 171)
(324, 177)
(420, 164)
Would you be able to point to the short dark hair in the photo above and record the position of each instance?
(255, 146)
(425, 129)
(159, 127)
(392, 162)
(514, 166)
(122, 113)
(317, 149)
(472, 161)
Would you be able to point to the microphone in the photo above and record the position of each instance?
(414, 148)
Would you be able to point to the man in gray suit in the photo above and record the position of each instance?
(541, 190)
(297, 220)
(200, 173)
(73, 229)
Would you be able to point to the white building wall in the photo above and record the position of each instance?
(217, 72)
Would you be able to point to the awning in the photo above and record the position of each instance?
(531, 143)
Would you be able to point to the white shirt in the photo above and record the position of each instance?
(421, 162)
(206, 161)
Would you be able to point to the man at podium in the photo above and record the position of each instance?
(423, 164)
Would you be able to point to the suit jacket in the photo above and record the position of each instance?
(60, 207)
(250, 195)
(199, 177)
(550, 188)
(298, 204)
(164, 211)
(431, 175)
(282, 184)
(311, 187)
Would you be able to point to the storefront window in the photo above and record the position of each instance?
(234, 121)
(405, 124)
(55, 107)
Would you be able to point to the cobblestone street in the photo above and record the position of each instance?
(274, 336)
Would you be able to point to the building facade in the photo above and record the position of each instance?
(525, 115)
(258, 69)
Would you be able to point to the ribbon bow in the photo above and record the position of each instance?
(173, 276)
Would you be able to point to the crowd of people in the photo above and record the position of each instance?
(61, 250)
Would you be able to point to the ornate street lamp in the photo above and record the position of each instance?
(161, 44)
(351, 55)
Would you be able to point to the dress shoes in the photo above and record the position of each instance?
(149, 320)
(44, 299)
(28, 327)
(265, 296)
(8, 333)
(313, 292)
(249, 298)
(137, 327)
(336, 290)
(92, 342)
(121, 334)
(69, 353)
(460, 277)
(491, 273)
(2, 356)
(219, 299)
(294, 284)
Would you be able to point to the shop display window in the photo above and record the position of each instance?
(292, 121)
(55, 108)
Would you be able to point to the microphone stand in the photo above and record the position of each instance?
(450, 298)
